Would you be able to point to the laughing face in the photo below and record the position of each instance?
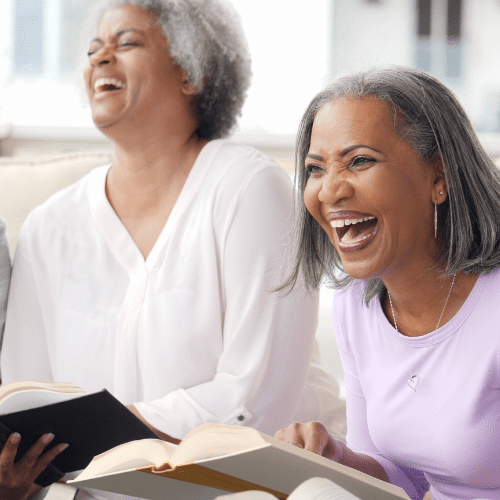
(130, 73)
(369, 190)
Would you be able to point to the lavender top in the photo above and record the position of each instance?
(447, 433)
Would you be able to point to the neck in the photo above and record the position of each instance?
(150, 169)
(149, 147)
(419, 300)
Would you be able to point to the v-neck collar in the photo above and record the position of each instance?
(109, 225)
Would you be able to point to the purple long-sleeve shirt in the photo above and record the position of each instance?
(447, 433)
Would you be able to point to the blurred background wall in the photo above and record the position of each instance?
(297, 47)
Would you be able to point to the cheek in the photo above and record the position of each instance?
(311, 200)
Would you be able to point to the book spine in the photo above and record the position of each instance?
(197, 474)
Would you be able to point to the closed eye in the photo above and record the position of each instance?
(129, 44)
(360, 161)
(312, 169)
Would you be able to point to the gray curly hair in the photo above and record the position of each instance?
(206, 40)
(431, 119)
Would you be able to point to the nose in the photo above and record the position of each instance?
(103, 56)
(335, 187)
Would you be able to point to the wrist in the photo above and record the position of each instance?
(342, 451)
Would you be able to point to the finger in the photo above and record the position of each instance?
(315, 437)
(9, 451)
(47, 457)
(31, 456)
(293, 434)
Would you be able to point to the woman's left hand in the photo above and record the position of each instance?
(314, 437)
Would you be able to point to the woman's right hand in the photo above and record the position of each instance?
(314, 437)
(17, 479)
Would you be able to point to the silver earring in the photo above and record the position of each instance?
(441, 192)
(435, 219)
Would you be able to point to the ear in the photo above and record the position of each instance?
(187, 87)
(439, 186)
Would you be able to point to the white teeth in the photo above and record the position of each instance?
(346, 222)
(100, 82)
(363, 238)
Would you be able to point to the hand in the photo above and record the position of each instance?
(314, 437)
(16, 479)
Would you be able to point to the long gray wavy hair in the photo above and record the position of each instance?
(430, 118)
(206, 40)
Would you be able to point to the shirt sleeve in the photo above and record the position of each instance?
(358, 435)
(4, 275)
(268, 336)
(24, 352)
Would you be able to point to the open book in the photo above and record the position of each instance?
(214, 459)
(316, 488)
(90, 423)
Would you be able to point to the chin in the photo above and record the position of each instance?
(357, 273)
(361, 269)
(103, 122)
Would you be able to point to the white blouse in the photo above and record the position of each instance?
(192, 334)
(4, 274)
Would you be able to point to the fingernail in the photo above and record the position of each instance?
(48, 438)
(15, 438)
(62, 447)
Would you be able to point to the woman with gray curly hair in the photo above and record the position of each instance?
(401, 211)
(152, 276)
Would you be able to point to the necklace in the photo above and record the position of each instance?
(414, 378)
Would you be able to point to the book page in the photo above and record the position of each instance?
(316, 488)
(248, 495)
(283, 467)
(24, 385)
(129, 456)
(319, 488)
(216, 440)
(28, 399)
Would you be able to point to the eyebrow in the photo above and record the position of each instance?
(343, 152)
(120, 33)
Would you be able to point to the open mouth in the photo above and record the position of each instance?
(108, 84)
(354, 232)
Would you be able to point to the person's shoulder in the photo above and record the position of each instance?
(238, 169)
(350, 307)
(242, 159)
(351, 295)
(64, 206)
(492, 279)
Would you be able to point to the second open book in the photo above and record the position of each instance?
(214, 459)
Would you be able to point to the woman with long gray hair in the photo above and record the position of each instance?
(400, 211)
(153, 276)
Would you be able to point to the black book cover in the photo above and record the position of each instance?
(91, 424)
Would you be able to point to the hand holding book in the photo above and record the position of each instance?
(314, 437)
(214, 459)
(90, 422)
(17, 479)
